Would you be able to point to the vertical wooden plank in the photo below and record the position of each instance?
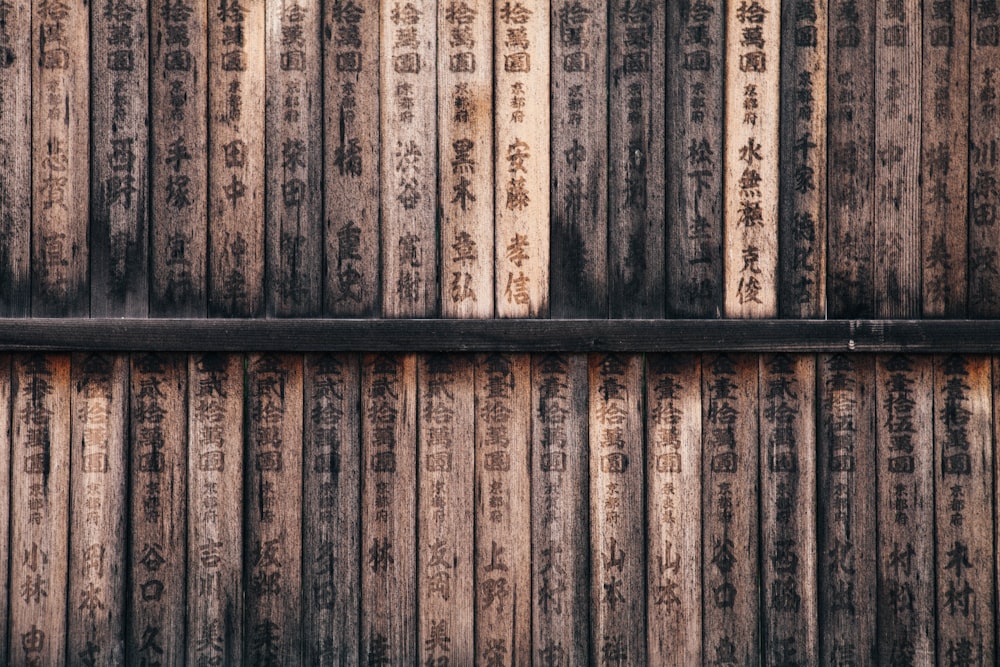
(905, 451)
(407, 90)
(751, 158)
(388, 510)
(445, 510)
(846, 508)
(560, 549)
(178, 158)
(944, 137)
(351, 164)
(40, 437)
(465, 158)
(673, 509)
(96, 600)
(788, 508)
(60, 205)
(984, 161)
(963, 509)
(272, 505)
(618, 581)
(578, 265)
(521, 138)
(331, 528)
(802, 226)
(897, 159)
(119, 170)
(851, 159)
(294, 159)
(158, 483)
(236, 81)
(636, 150)
(730, 585)
(15, 157)
(695, 74)
(215, 516)
(6, 405)
(503, 510)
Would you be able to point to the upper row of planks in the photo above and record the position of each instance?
(458, 158)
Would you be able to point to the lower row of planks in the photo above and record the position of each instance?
(497, 509)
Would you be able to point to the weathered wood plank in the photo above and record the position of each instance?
(636, 151)
(215, 516)
(40, 436)
(503, 509)
(521, 141)
(578, 264)
(695, 117)
(846, 509)
(465, 157)
(6, 400)
(331, 511)
(388, 510)
(673, 509)
(236, 101)
(730, 585)
(445, 512)
(560, 547)
(157, 536)
(407, 90)
(119, 168)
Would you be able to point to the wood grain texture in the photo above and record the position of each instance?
(695, 158)
(465, 157)
(636, 151)
(503, 509)
(5, 500)
(236, 123)
(119, 167)
(60, 204)
(521, 140)
(578, 218)
(673, 509)
(293, 273)
(560, 502)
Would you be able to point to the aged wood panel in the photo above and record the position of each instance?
(445, 591)
(5, 501)
(730, 585)
(40, 437)
(178, 158)
(521, 140)
(673, 509)
(560, 547)
(236, 81)
(578, 270)
(15, 158)
(851, 159)
(904, 411)
(963, 509)
(846, 509)
(695, 86)
(636, 151)
(158, 509)
(272, 506)
(119, 168)
(60, 204)
(944, 167)
(215, 585)
(331, 503)
(787, 411)
(99, 462)
(293, 275)
(409, 171)
(802, 222)
(465, 158)
(388, 510)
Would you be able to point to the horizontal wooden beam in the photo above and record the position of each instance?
(299, 335)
